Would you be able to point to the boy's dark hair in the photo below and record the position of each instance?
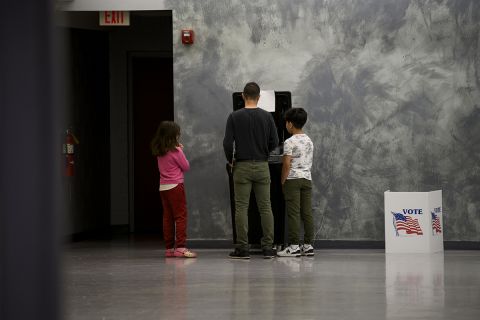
(297, 116)
(251, 91)
(165, 139)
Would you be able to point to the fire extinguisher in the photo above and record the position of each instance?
(69, 151)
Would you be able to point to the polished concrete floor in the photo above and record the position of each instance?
(108, 280)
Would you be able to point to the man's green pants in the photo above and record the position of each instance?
(248, 175)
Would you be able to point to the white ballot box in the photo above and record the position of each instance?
(413, 222)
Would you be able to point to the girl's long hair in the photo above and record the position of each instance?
(165, 139)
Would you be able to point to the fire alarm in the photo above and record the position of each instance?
(187, 36)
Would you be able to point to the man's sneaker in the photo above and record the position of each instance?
(268, 253)
(239, 254)
(307, 250)
(290, 251)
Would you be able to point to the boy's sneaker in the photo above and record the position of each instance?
(290, 251)
(239, 254)
(268, 253)
(307, 250)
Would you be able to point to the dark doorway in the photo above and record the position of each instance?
(151, 101)
(88, 118)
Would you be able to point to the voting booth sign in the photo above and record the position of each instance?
(413, 222)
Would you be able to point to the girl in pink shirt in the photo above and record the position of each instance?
(172, 163)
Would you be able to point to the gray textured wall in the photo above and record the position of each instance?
(391, 87)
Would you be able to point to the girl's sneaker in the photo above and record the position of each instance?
(290, 251)
(307, 250)
(184, 253)
(170, 253)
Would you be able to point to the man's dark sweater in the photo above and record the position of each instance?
(254, 133)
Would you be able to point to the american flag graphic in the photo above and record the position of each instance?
(406, 224)
(437, 228)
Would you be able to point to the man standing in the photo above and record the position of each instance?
(253, 132)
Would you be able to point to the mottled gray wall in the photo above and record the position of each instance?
(391, 88)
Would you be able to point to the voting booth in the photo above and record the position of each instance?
(413, 222)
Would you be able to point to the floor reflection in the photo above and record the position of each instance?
(414, 284)
(176, 290)
(253, 289)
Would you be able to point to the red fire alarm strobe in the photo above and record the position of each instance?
(188, 36)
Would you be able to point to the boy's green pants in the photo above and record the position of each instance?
(298, 204)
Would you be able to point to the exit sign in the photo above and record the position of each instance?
(114, 18)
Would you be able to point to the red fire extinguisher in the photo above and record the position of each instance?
(69, 151)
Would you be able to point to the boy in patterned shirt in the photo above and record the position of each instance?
(297, 184)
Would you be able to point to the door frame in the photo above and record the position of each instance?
(130, 128)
